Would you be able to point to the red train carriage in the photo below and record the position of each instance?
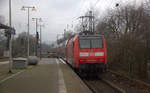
(87, 53)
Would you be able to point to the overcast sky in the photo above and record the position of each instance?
(56, 14)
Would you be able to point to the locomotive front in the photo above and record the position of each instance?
(90, 53)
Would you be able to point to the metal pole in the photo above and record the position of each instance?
(10, 13)
(40, 40)
(10, 40)
(36, 39)
(28, 50)
(82, 25)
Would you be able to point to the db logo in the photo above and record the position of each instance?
(91, 54)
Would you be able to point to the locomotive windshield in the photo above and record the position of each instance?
(90, 42)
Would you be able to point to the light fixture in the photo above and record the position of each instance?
(33, 9)
(33, 19)
(23, 9)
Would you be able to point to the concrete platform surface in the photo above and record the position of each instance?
(50, 76)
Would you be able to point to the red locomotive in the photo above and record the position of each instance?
(86, 53)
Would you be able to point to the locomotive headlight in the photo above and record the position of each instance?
(99, 53)
(84, 54)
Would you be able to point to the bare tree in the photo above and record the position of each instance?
(127, 32)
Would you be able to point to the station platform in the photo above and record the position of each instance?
(49, 76)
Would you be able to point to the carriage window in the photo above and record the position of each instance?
(96, 43)
(84, 43)
(90, 42)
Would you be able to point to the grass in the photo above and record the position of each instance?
(14, 71)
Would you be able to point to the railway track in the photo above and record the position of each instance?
(99, 85)
(130, 79)
(102, 86)
(130, 85)
(112, 82)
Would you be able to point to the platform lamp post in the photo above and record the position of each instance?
(28, 9)
(37, 34)
(41, 39)
(10, 41)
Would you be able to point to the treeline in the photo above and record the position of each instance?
(66, 35)
(127, 32)
(20, 44)
(3, 42)
(2, 37)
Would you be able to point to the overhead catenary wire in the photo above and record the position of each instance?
(82, 2)
(106, 3)
(96, 3)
